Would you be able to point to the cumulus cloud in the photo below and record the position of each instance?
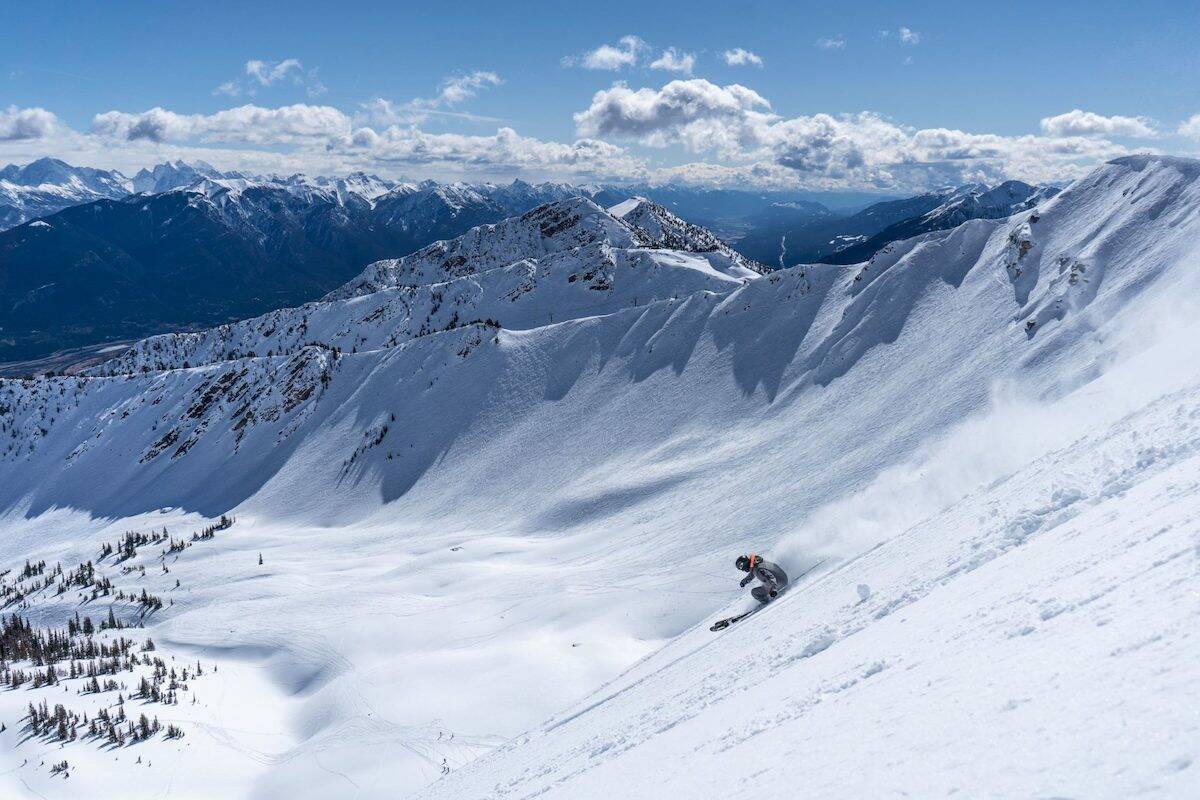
(1189, 127)
(245, 124)
(19, 124)
(673, 60)
(836, 43)
(506, 150)
(699, 114)
(625, 53)
(324, 135)
(740, 57)
(1085, 123)
(823, 150)
(736, 137)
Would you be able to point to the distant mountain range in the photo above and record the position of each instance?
(48, 185)
(94, 257)
(786, 236)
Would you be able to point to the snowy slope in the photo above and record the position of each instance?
(1035, 638)
(662, 229)
(467, 530)
(950, 208)
(561, 261)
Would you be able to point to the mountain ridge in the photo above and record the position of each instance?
(493, 478)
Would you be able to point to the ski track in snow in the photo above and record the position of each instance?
(495, 552)
(1006, 627)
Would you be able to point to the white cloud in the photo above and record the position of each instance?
(673, 60)
(261, 74)
(245, 124)
(696, 113)
(836, 43)
(505, 150)
(1085, 123)
(314, 87)
(736, 136)
(822, 150)
(1189, 127)
(463, 87)
(230, 88)
(19, 124)
(740, 57)
(625, 53)
(323, 139)
(908, 36)
(271, 72)
(394, 151)
(455, 90)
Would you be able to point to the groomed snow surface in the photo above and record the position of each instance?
(472, 561)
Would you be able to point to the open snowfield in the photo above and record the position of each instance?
(489, 556)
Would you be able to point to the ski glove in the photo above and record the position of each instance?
(746, 580)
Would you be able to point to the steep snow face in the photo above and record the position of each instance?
(465, 532)
(560, 227)
(980, 202)
(48, 185)
(951, 208)
(1033, 638)
(660, 228)
(562, 261)
(796, 238)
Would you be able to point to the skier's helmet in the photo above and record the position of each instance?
(743, 563)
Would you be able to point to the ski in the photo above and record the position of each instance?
(722, 624)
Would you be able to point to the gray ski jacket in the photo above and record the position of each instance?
(770, 573)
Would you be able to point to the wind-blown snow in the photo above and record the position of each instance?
(468, 529)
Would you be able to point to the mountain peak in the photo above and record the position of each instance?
(172, 175)
(661, 229)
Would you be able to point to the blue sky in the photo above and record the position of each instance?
(846, 94)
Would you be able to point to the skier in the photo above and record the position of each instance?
(774, 579)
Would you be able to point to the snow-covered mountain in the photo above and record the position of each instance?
(48, 185)
(660, 228)
(954, 207)
(240, 245)
(484, 501)
(262, 242)
(224, 248)
(560, 261)
(361, 184)
(429, 211)
(173, 175)
(850, 239)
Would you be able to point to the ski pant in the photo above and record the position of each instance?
(763, 594)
